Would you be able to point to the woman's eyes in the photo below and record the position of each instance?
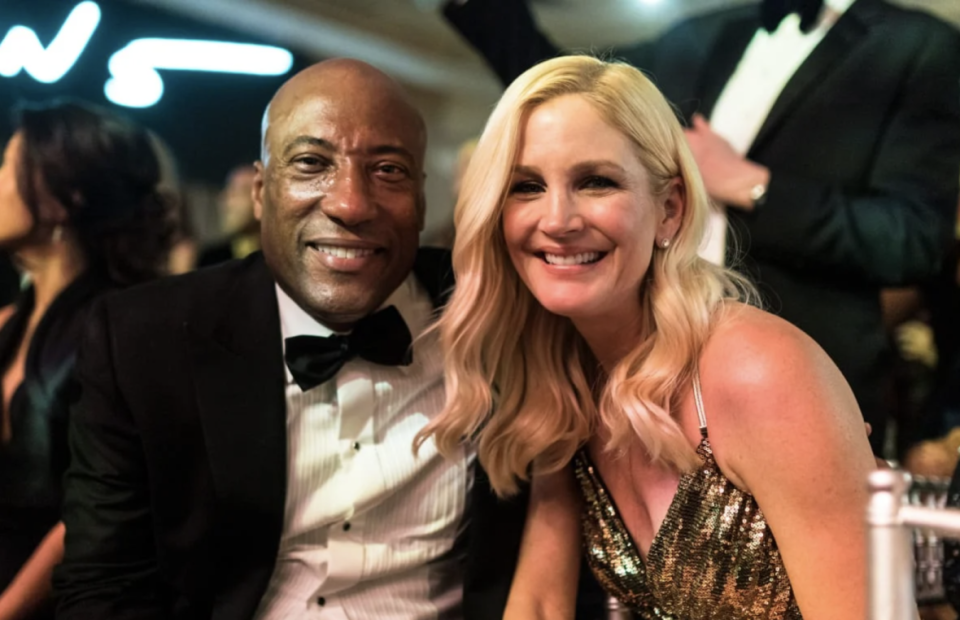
(526, 187)
(598, 182)
(593, 182)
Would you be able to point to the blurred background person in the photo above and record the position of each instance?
(240, 227)
(833, 140)
(183, 248)
(464, 155)
(183, 245)
(924, 324)
(444, 236)
(81, 214)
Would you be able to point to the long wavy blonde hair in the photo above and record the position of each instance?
(520, 381)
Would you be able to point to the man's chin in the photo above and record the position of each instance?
(339, 307)
(337, 321)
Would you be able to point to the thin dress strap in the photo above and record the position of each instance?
(698, 397)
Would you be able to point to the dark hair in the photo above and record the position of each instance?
(104, 172)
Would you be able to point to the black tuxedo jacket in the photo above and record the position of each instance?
(863, 145)
(174, 499)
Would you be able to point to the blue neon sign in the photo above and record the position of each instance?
(135, 81)
(21, 48)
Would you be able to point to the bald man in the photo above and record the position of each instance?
(242, 435)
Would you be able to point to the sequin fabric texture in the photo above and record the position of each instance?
(713, 558)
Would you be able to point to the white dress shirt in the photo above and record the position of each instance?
(370, 531)
(768, 63)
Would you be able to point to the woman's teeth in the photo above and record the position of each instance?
(573, 259)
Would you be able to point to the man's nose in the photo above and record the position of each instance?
(561, 217)
(349, 200)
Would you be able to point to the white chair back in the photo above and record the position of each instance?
(905, 523)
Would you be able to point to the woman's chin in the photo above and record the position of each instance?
(568, 308)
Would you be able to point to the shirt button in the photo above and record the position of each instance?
(346, 526)
(321, 601)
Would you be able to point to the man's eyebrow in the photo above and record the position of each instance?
(312, 141)
(390, 149)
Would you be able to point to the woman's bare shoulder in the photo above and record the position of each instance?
(767, 384)
(749, 346)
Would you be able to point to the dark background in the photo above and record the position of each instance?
(210, 121)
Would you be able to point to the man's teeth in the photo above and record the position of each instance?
(344, 252)
(575, 259)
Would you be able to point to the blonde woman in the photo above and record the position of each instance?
(708, 456)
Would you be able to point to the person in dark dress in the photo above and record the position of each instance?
(81, 215)
(9, 281)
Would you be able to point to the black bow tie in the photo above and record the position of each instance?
(381, 338)
(772, 13)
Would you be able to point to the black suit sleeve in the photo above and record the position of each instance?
(110, 564)
(506, 35)
(892, 230)
(503, 32)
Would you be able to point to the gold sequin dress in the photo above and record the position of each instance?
(714, 557)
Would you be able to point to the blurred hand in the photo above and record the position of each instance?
(727, 175)
(915, 343)
(931, 459)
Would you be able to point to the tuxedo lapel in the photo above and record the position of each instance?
(842, 38)
(434, 271)
(238, 369)
(237, 359)
(236, 355)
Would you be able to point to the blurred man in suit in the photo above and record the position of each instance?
(833, 141)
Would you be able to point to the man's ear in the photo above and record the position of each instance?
(256, 190)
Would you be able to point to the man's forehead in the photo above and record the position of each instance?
(338, 119)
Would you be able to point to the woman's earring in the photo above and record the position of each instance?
(665, 243)
(57, 234)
